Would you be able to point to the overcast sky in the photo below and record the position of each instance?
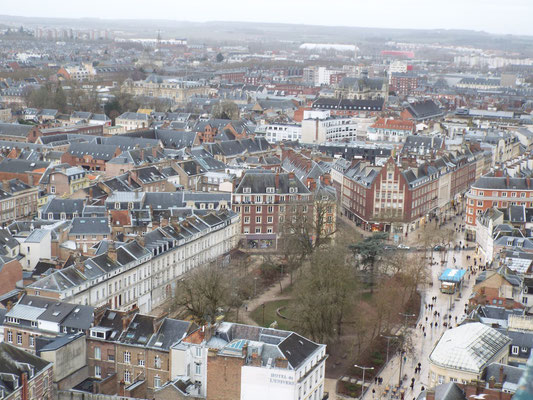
(497, 16)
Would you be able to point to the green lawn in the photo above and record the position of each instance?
(270, 314)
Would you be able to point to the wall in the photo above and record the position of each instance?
(224, 377)
(67, 359)
(267, 383)
(10, 274)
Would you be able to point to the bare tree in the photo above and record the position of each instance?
(326, 293)
(206, 293)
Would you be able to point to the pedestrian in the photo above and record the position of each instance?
(424, 328)
(424, 334)
(426, 319)
(375, 380)
(435, 324)
(431, 324)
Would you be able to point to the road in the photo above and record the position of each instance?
(390, 374)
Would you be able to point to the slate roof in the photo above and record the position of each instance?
(258, 183)
(16, 361)
(170, 332)
(15, 130)
(424, 110)
(97, 151)
(347, 104)
(501, 183)
(21, 166)
(296, 349)
(176, 139)
(90, 226)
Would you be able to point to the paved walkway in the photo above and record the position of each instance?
(272, 293)
(424, 345)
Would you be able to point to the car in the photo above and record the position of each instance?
(438, 248)
(403, 246)
(387, 247)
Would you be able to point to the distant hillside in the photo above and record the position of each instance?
(234, 32)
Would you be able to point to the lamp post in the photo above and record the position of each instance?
(388, 341)
(255, 286)
(364, 369)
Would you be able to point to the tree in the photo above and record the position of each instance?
(225, 110)
(368, 252)
(220, 58)
(121, 103)
(209, 291)
(203, 294)
(326, 294)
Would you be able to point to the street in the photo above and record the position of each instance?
(424, 344)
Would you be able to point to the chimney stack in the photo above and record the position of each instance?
(277, 180)
(112, 251)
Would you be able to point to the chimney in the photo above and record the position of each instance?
(24, 391)
(430, 394)
(277, 180)
(492, 381)
(91, 192)
(112, 251)
(126, 319)
(528, 182)
(326, 178)
(507, 180)
(141, 241)
(291, 175)
(281, 362)
(501, 375)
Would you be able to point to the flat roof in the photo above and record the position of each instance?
(452, 275)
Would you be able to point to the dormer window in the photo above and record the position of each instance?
(293, 190)
(130, 205)
(63, 215)
(117, 206)
(270, 189)
(50, 216)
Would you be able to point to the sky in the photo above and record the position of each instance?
(495, 16)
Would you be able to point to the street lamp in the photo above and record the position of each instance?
(255, 286)
(364, 369)
(388, 341)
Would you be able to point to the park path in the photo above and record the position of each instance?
(272, 293)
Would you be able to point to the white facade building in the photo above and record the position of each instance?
(280, 132)
(334, 129)
(144, 273)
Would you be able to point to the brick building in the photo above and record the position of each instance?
(403, 83)
(265, 201)
(136, 348)
(23, 375)
(400, 199)
(496, 191)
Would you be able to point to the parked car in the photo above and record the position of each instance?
(403, 246)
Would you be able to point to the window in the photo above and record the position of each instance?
(19, 338)
(140, 362)
(127, 376)
(97, 353)
(269, 220)
(246, 220)
(157, 362)
(97, 371)
(52, 189)
(258, 209)
(198, 351)
(32, 341)
(127, 357)
(257, 220)
(157, 382)
(198, 369)
(515, 350)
